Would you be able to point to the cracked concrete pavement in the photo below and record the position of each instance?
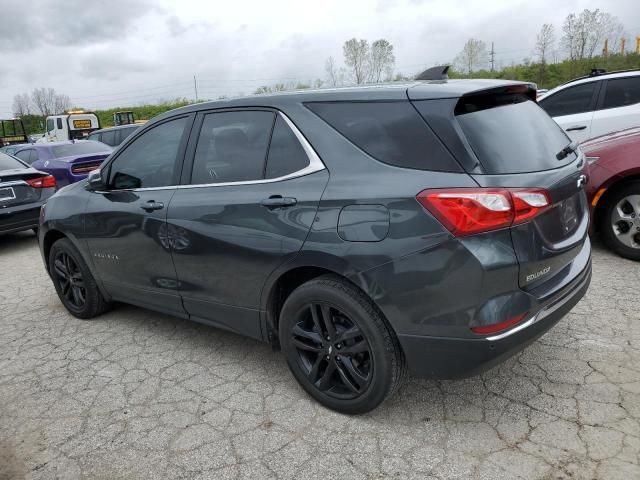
(137, 394)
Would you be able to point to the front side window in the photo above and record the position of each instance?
(109, 137)
(94, 136)
(150, 160)
(622, 92)
(232, 147)
(569, 101)
(49, 124)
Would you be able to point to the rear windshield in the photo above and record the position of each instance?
(511, 134)
(79, 148)
(391, 132)
(9, 163)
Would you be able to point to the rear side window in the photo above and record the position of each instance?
(79, 148)
(24, 155)
(286, 155)
(232, 147)
(570, 101)
(94, 136)
(621, 92)
(9, 163)
(391, 132)
(511, 134)
(109, 137)
(59, 123)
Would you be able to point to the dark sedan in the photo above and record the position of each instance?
(68, 161)
(23, 190)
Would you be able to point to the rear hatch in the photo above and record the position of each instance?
(503, 139)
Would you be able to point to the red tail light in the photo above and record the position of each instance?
(43, 182)
(466, 211)
(498, 327)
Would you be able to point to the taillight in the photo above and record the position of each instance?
(43, 182)
(466, 211)
(498, 327)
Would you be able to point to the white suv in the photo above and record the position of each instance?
(595, 105)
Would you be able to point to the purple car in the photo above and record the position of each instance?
(68, 161)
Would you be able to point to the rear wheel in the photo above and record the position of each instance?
(73, 281)
(339, 347)
(620, 223)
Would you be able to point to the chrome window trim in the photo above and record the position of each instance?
(315, 165)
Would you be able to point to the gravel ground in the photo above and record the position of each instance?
(136, 394)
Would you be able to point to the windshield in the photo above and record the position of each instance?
(9, 163)
(511, 134)
(80, 148)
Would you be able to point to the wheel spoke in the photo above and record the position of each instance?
(350, 375)
(60, 268)
(618, 215)
(327, 318)
(300, 345)
(64, 287)
(349, 334)
(314, 337)
(358, 347)
(325, 381)
(315, 369)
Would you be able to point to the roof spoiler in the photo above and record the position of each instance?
(434, 73)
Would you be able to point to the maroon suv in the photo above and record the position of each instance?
(614, 189)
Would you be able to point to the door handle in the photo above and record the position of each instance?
(152, 205)
(576, 127)
(275, 201)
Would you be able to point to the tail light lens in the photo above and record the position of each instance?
(43, 182)
(466, 211)
(498, 327)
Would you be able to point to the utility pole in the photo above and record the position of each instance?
(622, 42)
(493, 57)
(195, 87)
(605, 50)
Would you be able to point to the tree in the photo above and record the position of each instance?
(545, 41)
(472, 57)
(48, 102)
(382, 60)
(21, 105)
(331, 71)
(357, 57)
(583, 34)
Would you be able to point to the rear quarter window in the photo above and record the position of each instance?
(391, 132)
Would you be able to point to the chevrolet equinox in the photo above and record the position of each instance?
(435, 228)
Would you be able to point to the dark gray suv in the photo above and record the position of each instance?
(436, 227)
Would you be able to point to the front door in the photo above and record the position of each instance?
(249, 205)
(125, 227)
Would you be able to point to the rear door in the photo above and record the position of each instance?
(572, 108)
(249, 197)
(517, 145)
(618, 106)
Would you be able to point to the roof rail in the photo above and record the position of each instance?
(434, 73)
(596, 72)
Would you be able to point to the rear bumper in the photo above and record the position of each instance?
(17, 219)
(442, 357)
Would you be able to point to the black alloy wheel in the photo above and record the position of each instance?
(74, 283)
(339, 346)
(70, 279)
(333, 351)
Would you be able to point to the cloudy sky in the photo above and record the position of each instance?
(126, 52)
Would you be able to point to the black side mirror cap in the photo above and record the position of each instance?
(95, 181)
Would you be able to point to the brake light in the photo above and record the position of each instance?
(498, 327)
(467, 211)
(43, 182)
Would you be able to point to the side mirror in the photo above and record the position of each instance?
(95, 181)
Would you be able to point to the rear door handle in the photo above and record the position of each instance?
(275, 201)
(576, 127)
(152, 205)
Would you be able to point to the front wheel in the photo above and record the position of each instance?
(620, 225)
(73, 281)
(339, 347)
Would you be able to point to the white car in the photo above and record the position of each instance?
(595, 105)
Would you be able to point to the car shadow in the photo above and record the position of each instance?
(17, 242)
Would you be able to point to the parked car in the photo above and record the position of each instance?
(68, 161)
(614, 190)
(23, 190)
(364, 230)
(597, 104)
(113, 136)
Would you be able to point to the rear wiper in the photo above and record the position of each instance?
(562, 154)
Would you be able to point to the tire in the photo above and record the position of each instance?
(624, 244)
(81, 297)
(35, 231)
(357, 362)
